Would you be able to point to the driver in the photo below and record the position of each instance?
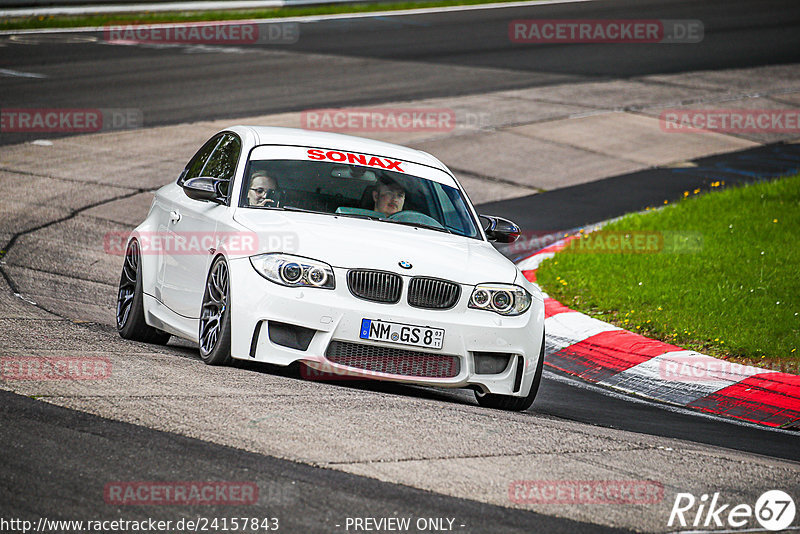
(260, 186)
(389, 196)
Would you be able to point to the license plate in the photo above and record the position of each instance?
(403, 334)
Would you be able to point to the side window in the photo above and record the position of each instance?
(222, 163)
(196, 164)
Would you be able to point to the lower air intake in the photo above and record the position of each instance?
(393, 361)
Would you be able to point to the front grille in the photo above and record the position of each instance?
(433, 293)
(393, 361)
(377, 286)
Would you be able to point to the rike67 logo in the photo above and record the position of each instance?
(774, 510)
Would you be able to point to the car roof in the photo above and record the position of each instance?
(269, 135)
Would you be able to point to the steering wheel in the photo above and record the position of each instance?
(415, 217)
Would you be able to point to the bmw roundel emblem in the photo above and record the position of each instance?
(404, 264)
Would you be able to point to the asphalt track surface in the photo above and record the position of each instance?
(357, 62)
(349, 62)
(50, 480)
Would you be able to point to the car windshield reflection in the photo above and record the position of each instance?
(359, 192)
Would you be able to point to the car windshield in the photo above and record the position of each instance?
(357, 191)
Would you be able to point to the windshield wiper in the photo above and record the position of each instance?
(357, 216)
(420, 225)
(288, 208)
(302, 210)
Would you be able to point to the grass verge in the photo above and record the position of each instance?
(717, 272)
(146, 17)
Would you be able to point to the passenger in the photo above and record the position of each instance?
(389, 196)
(261, 191)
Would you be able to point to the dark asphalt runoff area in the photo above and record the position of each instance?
(553, 212)
(54, 462)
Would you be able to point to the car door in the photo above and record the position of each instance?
(166, 207)
(192, 227)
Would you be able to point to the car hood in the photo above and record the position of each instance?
(350, 243)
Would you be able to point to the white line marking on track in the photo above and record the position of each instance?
(20, 74)
(41, 38)
(318, 18)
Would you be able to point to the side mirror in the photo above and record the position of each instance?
(499, 229)
(205, 188)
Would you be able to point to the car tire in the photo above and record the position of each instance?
(215, 317)
(130, 307)
(510, 403)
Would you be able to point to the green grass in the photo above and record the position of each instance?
(65, 21)
(732, 291)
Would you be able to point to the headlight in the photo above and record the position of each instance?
(294, 271)
(505, 299)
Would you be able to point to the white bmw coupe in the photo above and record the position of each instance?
(350, 256)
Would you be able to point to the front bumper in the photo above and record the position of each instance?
(336, 315)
